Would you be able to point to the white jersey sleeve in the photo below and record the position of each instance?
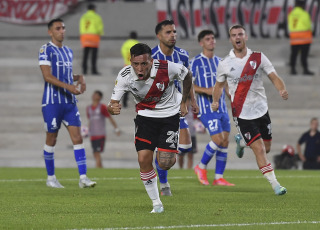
(177, 71)
(121, 85)
(266, 65)
(221, 73)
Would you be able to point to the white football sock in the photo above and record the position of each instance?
(149, 180)
(268, 173)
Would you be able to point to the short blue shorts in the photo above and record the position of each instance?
(215, 122)
(183, 123)
(55, 114)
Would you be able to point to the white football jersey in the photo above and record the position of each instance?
(230, 69)
(157, 96)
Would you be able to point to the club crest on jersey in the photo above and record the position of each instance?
(160, 86)
(247, 135)
(253, 64)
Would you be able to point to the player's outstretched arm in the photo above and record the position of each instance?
(217, 91)
(279, 84)
(114, 107)
(48, 77)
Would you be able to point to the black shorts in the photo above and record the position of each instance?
(255, 129)
(98, 145)
(157, 132)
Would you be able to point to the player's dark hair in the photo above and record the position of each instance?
(204, 33)
(237, 26)
(163, 23)
(313, 119)
(133, 35)
(53, 21)
(91, 7)
(99, 93)
(140, 49)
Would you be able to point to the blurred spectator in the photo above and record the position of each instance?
(97, 114)
(311, 138)
(190, 117)
(300, 36)
(91, 28)
(287, 159)
(125, 52)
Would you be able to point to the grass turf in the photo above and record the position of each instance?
(119, 200)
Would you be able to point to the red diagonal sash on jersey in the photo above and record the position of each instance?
(245, 82)
(157, 89)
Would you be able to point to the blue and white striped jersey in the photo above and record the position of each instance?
(178, 55)
(204, 72)
(60, 60)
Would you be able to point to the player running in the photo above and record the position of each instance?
(244, 71)
(158, 102)
(166, 50)
(59, 102)
(204, 68)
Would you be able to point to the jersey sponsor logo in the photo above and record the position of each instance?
(66, 64)
(160, 86)
(245, 78)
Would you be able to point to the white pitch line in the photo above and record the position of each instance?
(208, 225)
(137, 178)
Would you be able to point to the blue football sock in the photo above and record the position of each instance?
(221, 160)
(80, 156)
(209, 152)
(48, 153)
(162, 174)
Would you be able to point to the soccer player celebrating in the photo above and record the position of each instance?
(244, 71)
(59, 102)
(204, 68)
(158, 102)
(166, 50)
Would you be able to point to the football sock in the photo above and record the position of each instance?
(80, 156)
(221, 162)
(149, 179)
(163, 174)
(164, 185)
(268, 173)
(208, 153)
(48, 152)
(185, 148)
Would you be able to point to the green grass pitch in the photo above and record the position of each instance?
(119, 201)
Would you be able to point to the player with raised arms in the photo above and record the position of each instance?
(158, 102)
(244, 71)
(59, 102)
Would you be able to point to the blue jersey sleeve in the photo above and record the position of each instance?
(44, 56)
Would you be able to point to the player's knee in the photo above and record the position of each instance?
(225, 143)
(185, 148)
(166, 160)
